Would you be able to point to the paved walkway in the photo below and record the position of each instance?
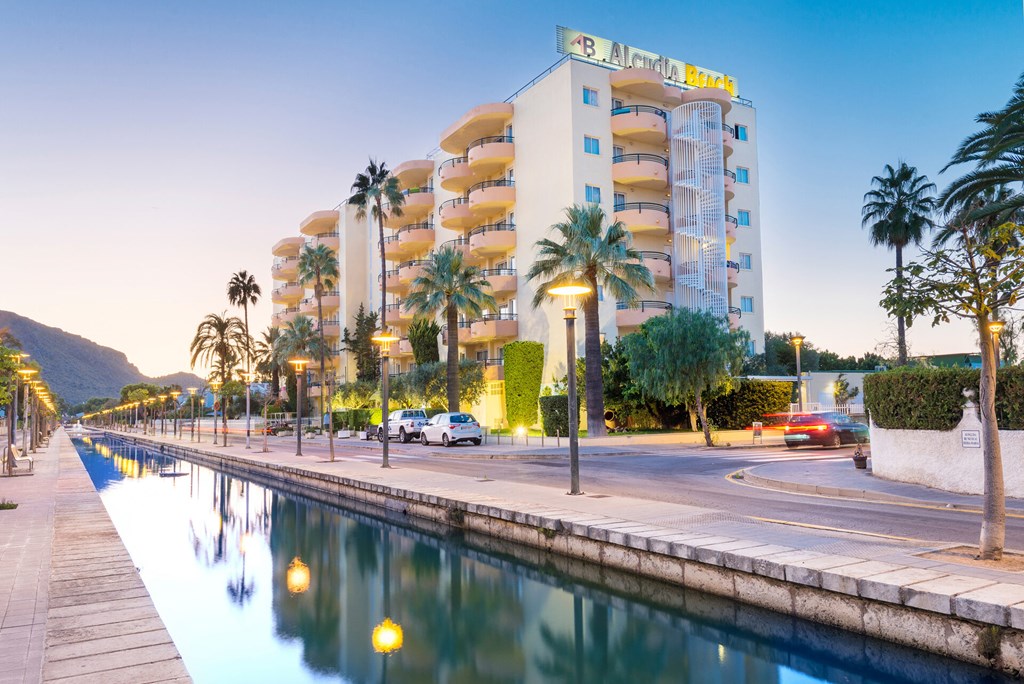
(74, 607)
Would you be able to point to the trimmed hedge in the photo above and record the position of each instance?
(932, 398)
(354, 419)
(524, 371)
(554, 412)
(749, 402)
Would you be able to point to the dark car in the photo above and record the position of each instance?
(824, 429)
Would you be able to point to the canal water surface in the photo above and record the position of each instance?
(259, 586)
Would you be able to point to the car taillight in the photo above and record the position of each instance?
(451, 427)
(819, 428)
(786, 428)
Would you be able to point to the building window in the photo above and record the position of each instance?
(600, 293)
(745, 262)
(591, 145)
(741, 133)
(593, 194)
(589, 96)
(743, 217)
(751, 348)
(620, 199)
(616, 103)
(742, 175)
(747, 304)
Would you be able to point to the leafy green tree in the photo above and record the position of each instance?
(588, 252)
(360, 343)
(524, 372)
(423, 334)
(356, 395)
(319, 266)
(217, 343)
(132, 390)
(298, 338)
(898, 211)
(243, 290)
(683, 355)
(982, 272)
(428, 384)
(450, 285)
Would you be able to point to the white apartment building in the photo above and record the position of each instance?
(665, 147)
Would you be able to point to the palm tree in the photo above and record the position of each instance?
(898, 211)
(448, 284)
(599, 257)
(217, 341)
(265, 362)
(243, 290)
(297, 338)
(319, 265)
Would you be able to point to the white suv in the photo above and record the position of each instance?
(451, 428)
(404, 424)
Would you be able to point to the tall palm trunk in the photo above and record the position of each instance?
(453, 357)
(993, 524)
(275, 379)
(318, 290)
(901, 329)
(383, 326)
(592, 358)
(223, 401)
(248, 353)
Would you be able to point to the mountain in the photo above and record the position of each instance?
(76, 368)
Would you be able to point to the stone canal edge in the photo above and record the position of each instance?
(972, 618)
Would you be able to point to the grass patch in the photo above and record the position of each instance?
(6, 505)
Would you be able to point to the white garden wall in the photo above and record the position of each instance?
(944, 459)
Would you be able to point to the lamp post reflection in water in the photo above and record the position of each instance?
(387, 637)
(297, 577)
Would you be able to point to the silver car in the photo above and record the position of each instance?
(451, 428)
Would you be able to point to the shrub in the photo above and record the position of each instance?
(524, 370)
(554, 412)
(749, 402)
(352, 419)
(423, 335)
(933, 399)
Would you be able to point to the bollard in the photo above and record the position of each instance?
(558, 438)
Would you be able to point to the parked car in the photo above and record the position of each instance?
(824, 429)
(404, 424)
(451, 428)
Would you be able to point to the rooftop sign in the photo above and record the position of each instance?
(610, 53)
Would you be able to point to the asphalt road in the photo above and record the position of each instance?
(698, 477)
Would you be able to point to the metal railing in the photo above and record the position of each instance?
(413, 262)
(638, 157)
(389, 273)
(641, 206)
(284, 260)
(500, 316)
(491, 227)
(660, 256)
(331, 234)
(457, 242)
(280, 290)
(498, 272)
(388, 239)
(418, 191)
(491, 362)
(730, 219)
(636, 109)
(736, 310)
(644, 305)
(489, 139)
(729, 174)
(453, 162)
(729, 129)
(500, 183)
(734, 265)
(452, 203)
(424, 225)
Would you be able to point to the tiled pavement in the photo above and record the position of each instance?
(75, 609)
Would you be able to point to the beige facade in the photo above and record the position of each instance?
(503, 174)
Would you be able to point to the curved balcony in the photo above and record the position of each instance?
(462, 246)
(639, 81)
(503, 280)
(285, 268)
(394, 283)
(490, 154)
(497, 326)
(632, 315)
(733, 270)
(456, 213)
(642, 123)
(494, 370)
(397, 313)
(287, 315)
(319, 222)
(491, 197)
(330, 239)
(290, 292)
(730, 179)
(480, 121)
(658, 263)
(409, 271)
(455, 174)
(644, 217)
(493, 239)
(728, 136)
(289, 246)
(331, 301)
(730, 229)
(463, 332)
(332, 327)
(720, 95)
(392, 248)
(419, 202)
(404, 348)
(307, 307)
(735, 314)
(640, 170)
(413, 173)
(416, 237)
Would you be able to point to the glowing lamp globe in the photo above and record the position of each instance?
(387, 637)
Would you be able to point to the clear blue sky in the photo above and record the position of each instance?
(148, 150)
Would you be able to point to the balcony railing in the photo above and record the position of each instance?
(660, 256)
(491, 362)
(416, 191)
(644, 305)
(331, 234)
(453, 162)
(636, 109)
(284, 260)
(730, 219)
(500, 316)
(734, 265)
(730, 174)
(729, 129)
(388, 239)
(736, 311)
(452, 203)
(500, 183)
(640, 157)
(492, 227)
(641, 206)
(425, 225)
(487, 272)
(389, 273)
(414, 262)
(457, 242)
(489, 139)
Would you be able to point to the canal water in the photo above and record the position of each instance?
(259, 586)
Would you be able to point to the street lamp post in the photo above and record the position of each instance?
(384, 338)
(798, 341)
(248, 378)
(174, 398)
(192, 420)
(215, 386)
(996, 327)
(300, 376)
(569, 292)
(163, 411)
